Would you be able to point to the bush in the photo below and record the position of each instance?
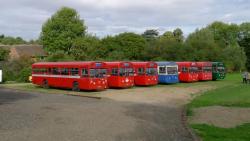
(59, 56)
(18, 69)
(24, 75)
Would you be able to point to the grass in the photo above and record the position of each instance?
(229, 92)
(212, 133)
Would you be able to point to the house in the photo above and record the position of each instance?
(36, 52)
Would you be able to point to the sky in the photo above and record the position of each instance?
(25, 18)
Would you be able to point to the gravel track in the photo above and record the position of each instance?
(140, 114)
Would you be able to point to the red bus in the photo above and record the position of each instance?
(204, 71)
(70, 75)
(145, 73)
(188, 71)
(120, 74)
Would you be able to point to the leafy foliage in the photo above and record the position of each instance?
(17, 69)
(4, 54)
(59, 32)
(11, 40)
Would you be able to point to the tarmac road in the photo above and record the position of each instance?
(55, 117)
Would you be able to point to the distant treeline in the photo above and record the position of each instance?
(64, 36)
(8, 40)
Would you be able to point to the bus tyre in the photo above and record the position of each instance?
(75, 87)
(45, 84)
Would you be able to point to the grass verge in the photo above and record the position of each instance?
(230, 93)
(212, 133)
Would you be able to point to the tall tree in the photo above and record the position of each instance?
(59, 32)
(244, 41)
(86, 48)
(178, 34)
(150, 34)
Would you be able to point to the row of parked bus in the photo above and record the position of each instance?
(101, 75)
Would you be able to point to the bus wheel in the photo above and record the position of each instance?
(75, 87)
(45, 84)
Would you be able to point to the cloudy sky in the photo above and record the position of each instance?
(104, 17)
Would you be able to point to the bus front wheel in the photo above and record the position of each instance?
(76, 87)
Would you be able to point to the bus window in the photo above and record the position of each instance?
(151, 71)
(140, 71)
(126, 72)
(103, 71)
(49, 71)
(74, 71)
(130, 71)
(193, 69)
(114, 72)
(172, 70)
(64, 71)
(184, 69)
(200, 69)
(122, 72)
(221, 69)
(55, 71)
(85, 73)
(207, 69)
(162, 70)
(97, 73)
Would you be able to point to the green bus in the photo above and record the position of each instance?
(218, 70)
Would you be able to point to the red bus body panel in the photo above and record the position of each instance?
(66, 81)
(118, 81)
(204, 75)
(187, 76)
(144, 79)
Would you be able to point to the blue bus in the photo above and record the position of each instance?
(167, 72)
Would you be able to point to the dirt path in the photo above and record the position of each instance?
(138, 114)
(226, 117)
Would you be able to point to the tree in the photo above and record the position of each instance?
(224, 34)
(203, 46)
(86, 48)
(11, 40)
(234, 58)
(150, 34)
(4, 54)
(244, 41)
(131, 45)
(59, 56)
(59, 32)
(178, 34)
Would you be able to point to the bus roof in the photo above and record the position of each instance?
(70, 64)
(209, 64)
(119, 64)
(145, 64)
(166, 63)
(186, 63)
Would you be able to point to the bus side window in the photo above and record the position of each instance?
(55, 71)
(200, 69)
(85, 73)
(184, 69)
(44, 70)
(114, 72)
(162, 70)
(49, 71)
(140, 71)
(65, 71)
(74, 71)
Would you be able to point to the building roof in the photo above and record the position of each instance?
(25, 50)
